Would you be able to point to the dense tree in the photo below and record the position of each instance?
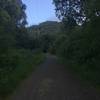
(92, 8)
(44, 34)
(79, 10)
(15, 10)
(80, 45)
(70, 9)
(12, 18)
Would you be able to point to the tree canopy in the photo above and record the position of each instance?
(79, 10)
(13, 11)
(79, 46)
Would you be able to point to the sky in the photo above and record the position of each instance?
(39, 11)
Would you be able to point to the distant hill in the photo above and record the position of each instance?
(48, 27)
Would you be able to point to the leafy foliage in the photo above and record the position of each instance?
(70, 9)
(44, 34)
(80, 45)
(78, 10)
(16, 66)
(16, 57)
(15, 10)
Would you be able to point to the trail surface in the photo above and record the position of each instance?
(52, 82)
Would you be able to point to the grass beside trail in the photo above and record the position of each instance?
(20, 64)
(83, 72)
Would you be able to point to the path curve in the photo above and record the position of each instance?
(52, 82)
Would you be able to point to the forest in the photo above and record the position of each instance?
(79, 42)
(75, 40)
(17, 57)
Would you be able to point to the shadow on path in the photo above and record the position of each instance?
(52, 82)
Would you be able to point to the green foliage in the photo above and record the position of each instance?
(70, 9)
(15, 66)
(44, 34)
(81, 48)
(4, 17)
(15, 9)
(16, 56)
(12, 17)
(79, 10)
(23, 39)
(92, 8)
(80, 45)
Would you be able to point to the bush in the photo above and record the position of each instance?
(82, 49)
(16, 65)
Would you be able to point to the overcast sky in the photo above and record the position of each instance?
(39, 11)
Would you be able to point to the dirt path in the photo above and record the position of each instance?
(52, 82)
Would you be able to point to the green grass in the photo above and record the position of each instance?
(20, 64)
